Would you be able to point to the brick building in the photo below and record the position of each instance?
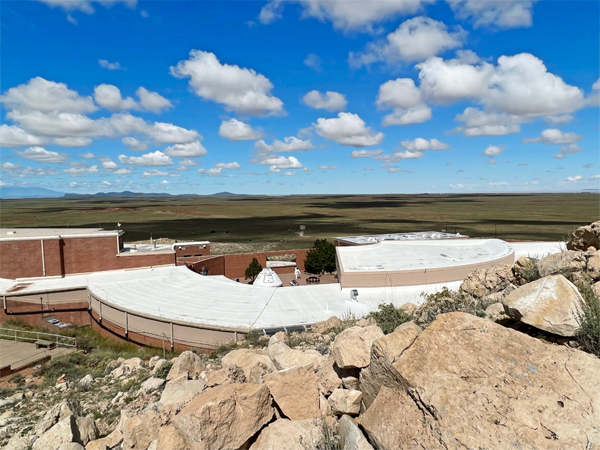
(41, 252)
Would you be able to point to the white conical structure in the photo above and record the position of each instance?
(268, 278)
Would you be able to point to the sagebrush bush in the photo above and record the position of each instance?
(447, 301)
(163, 370)
(588, 318)
(388, 317)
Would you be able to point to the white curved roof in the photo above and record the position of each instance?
(176, 293)
(392, 256)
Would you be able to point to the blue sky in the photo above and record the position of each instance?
(304, 97)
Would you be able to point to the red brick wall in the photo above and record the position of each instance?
(21, 259)
(33, 315)
(235, 265)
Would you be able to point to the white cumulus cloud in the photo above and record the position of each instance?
(239, 89)
(348, 129)
(109, 97)
(105, 64)
(14, 136)
(187, 150)
(152, 101)
(330, 101)
(365, 153)
(39, 94)
(414, 40)
(553, 136)
(40, 154)
(289, 144)
(156, 158)
(134, 144)
(236, 130)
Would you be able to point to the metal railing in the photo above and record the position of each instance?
(33, 336)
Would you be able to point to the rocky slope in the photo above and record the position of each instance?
(496, 365)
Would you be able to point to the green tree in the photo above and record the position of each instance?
(321, 258)
(253, 270)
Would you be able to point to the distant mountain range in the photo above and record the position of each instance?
(35, 192)
(28, 192)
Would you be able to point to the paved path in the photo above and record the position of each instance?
(18, 354)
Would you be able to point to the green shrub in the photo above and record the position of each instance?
(320, 258)
(588, 318)
(163, 370)
(253, 337)
(388, 317)
(254, 268)
(73, 366)
(447, 301)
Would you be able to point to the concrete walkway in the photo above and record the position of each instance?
(20, 354)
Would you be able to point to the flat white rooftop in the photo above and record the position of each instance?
(178, 294)
(395, 256)
(37, 233)
(415, 236)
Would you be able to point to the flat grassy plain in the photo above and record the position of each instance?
(260, 220)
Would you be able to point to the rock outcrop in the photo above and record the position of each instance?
(549, 304)
(585, 237)
(224, 417)
(352, 347)
(286, 434)
(563, 263)
(474, 384)
(296, 392)
(254, 363)
(188, 365)
(483, 282)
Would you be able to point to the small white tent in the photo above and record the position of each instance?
(268, 278)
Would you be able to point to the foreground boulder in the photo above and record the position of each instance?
(562, 263)
(525, 270)
(63, 432)
(585, 237)
(138, 430)
(384, 354)
(352, 347)
(181, 391)
(472, 383)
(296, 391)
(285, 434)
(549, 304)
(351, 438)
(188, 365)
(254, 363)
(285, 357)
(482, 282)
(345, 401)
(224, 417)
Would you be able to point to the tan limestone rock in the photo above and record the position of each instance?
(138, 430)
(188, 365)
(326, 326)
(384, 353)
(110, 441)
(63, 432)
(286, 434)
(549, 304)
(351, 438)
(328, 377)
(345, 401)
(249, 360)
(351, 348)
(471, 383)
(564, 263)
(482, 282)
(296, 391)
(585, 237)
(225, 417)
(181, 391)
